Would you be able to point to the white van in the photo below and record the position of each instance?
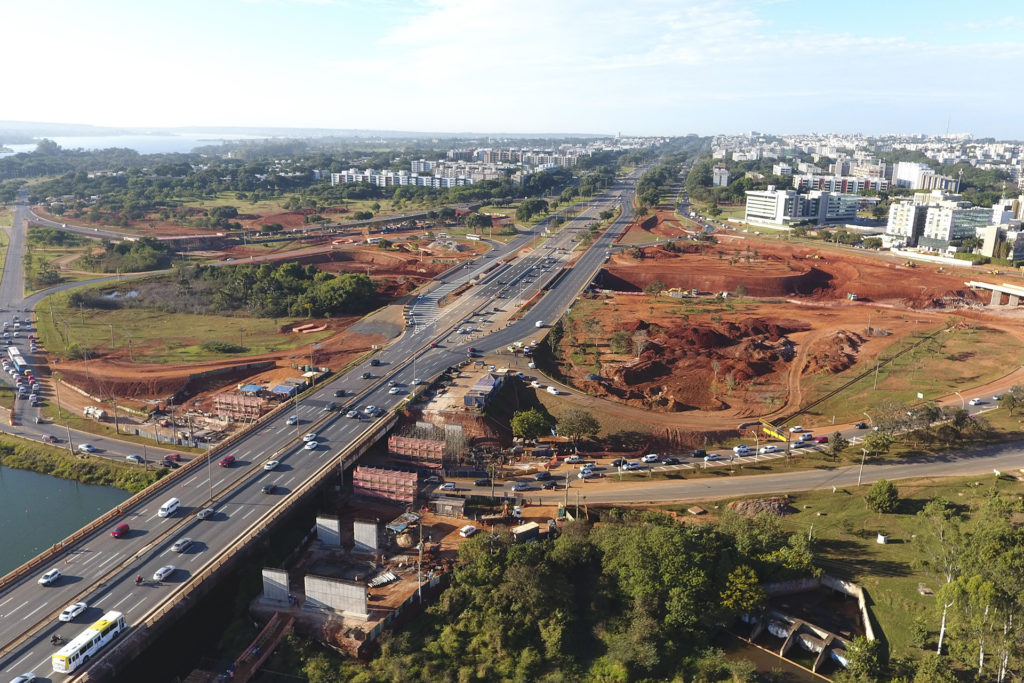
(168, 508)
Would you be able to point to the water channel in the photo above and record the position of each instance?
(37, 511)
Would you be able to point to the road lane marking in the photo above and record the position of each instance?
(15, 665)
(246, 515)
(135, 606)
(113, 556)
(196, 556)
(33, 611)
(118, 603)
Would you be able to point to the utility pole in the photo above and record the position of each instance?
(860, 475)
(117, 429)
(71, 446)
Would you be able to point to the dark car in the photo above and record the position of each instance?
(699, 452)
(375, 362)
(482, 482)
(167, 462)
(227, 461)
(619, 462)
(861, 425)
(366, 375)
(331, 406)
(549, 484)
(268, 488)
(671, 460)
(542, 476)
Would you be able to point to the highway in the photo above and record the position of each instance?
(101, 569)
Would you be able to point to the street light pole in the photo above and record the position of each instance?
(860, 475)
(963, 403)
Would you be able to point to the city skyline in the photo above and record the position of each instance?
(654, 67)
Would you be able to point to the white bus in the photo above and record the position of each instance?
(87, 643)
(471, 236)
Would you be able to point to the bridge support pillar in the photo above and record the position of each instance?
(1014, 300)
(997, 297)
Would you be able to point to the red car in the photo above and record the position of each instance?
(173, 457)
(434, 345)
(119, 530)
(821, 439)
(227, 461)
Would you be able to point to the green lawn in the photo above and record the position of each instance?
(158, 337)
(952, 361)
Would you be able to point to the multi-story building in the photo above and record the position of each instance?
(781, 207)
(906, 222)
(844, 184)
(953, 220)
(720, 176)
(422, 166)
(782, 169)
(390, 178)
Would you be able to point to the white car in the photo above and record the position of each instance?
(24, 678)
(205, 513)
(573, 460)
(292, 420)
(311, 446)
(650, 457)
(72, 611)
(86, 448)
(309, 437)
(712, 456)
(768, 449)
(163, 572)
(552, 390)
(182, 545)
(272, 464)
(467, 531)
(352, 413)
(796, 429)
(416, 382)
(49, 577)
(370, 409)
(447, 486)
(975, 402)
(535, 384)
(394, 390)
(534, 342)
(742, 449)
(632, 466)
(587, 474)
(532, 366)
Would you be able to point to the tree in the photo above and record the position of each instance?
(934, 670)
(530, 424)
(863, 657)
(621, 341)
(577, 423)
(654, 287)
(883, 496)
(743, 593)
(837, 444)
(741, 289)
(878, 443)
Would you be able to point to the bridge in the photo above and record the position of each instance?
(1014, 293)
(248, 499)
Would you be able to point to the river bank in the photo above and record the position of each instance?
(89, 470)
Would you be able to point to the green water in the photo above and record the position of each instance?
(37, 511)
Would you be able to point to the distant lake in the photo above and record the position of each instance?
(39, 511)
(143, 144)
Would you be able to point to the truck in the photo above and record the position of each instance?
(95, 413)
(526, 532)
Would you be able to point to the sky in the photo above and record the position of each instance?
(639, 67)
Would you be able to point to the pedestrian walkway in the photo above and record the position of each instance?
(250, 661)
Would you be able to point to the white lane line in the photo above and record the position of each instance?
(118, 603)
(196, 556)
(87, 559)
(5, 602)
(113, 556)
(246, 515)
(15, 665)
(189, 482)
(289, 480)
(33, 612)
(13, 611)
(135, 606)
(43, 663)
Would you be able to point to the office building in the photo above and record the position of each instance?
(781, 207)
(720, 175)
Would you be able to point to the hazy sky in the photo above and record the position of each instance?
(522, 66)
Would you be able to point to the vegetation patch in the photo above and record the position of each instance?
(85, 469)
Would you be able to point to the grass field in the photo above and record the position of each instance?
(950, 362)
(158, 337)
(844, 530)
(5, 241)
(6, 217)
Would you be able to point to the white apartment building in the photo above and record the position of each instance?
(781, 207)
(422, 166)
(389, 178)
(843, 184)
(782, 169)
(720, 176)
(954, 220)
(906, 222)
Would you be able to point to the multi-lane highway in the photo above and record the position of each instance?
(101, 570)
